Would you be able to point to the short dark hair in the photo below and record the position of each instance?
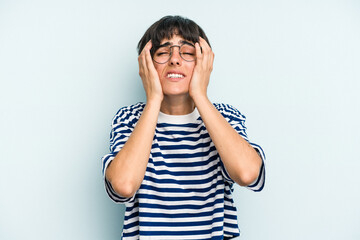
(166, 27)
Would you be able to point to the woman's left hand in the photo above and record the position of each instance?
(203, 68)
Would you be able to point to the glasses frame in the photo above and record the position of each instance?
(171, 51)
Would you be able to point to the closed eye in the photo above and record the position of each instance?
(188, 53)
(162, 53)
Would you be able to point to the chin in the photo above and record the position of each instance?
(176, 92)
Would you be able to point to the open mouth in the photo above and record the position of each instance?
(175, 75)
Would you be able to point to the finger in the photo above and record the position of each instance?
(142, 60)
(207, 51)
(145, 52)
(204, 45)
(143, 69)
(149, 61)
(199, 55)
(147, 47)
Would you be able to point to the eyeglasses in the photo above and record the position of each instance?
(163, 53)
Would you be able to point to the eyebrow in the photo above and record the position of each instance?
(181, 42)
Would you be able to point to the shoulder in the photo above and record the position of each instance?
(129, 114)
(229, 111)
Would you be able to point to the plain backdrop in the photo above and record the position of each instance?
(292, 67)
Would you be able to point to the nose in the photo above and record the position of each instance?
(175, 58)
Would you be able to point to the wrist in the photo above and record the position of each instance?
(154, 102)
(200, 99)
(154, 98)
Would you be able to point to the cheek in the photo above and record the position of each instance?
(191, 68)
(158, 69)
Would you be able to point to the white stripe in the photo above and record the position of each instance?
(177, 186)
(198, 237)
(185, 169)
(185, 202)
(180, 194)
(183, 142)
(185, 219)
(179, 178)
(179, 229)
(181, 151)
(180, 211)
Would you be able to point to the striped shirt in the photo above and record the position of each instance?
(186, 192)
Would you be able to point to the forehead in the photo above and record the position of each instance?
(174, 40)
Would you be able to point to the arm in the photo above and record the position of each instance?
(127, 169)
(240, 159)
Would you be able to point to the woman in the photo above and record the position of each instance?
(174, 160)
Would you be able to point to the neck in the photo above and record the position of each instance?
(177, 105)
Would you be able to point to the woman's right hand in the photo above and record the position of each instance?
(149, 75)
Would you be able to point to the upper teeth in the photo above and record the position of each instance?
(175, 75)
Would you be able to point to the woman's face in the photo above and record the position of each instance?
(175, 75)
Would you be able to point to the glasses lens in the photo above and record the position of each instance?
(188, 52)
(162, 54)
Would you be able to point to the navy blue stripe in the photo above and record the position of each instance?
(192, 139)
(183, 173)
(105, 159)
(186, 125)
(182, 146)
(130, 225)
(217, 237)
(227, 191)
(230, 225)
(134, 214)
(180, 215)
(181, 190)
(175, 132)
(181, 224)
(181, 182)
(190, 128)
(183, 164)
(124, 128)
(131, 234)
(230, 208)
(118, 136)
(227, 216)
(116, 145)
(232, 234)
(237, 119)
(181, 206)
(184, 155)
(134, 205)
(193, 198)
(180, 233)
(227, 199)
(241, 132)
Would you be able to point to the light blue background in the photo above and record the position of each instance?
(292, 67)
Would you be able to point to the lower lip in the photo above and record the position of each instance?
(175, 79)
